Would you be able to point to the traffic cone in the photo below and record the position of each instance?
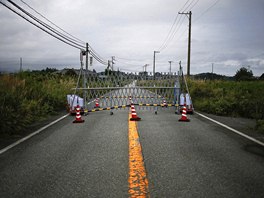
(78, 117)
(97, 103)
(184, 116)
(134, 114)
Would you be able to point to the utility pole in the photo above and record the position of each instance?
(108, 68)
(145, 66)
(212, 70)
(170, 65)
(154, 63)
(87, 56)
(20, 64)
(189, 14)
(85, 75)
(113, 59)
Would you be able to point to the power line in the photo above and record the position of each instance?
(168, 36)
(48, 29)
(176, 29)
(190, 6)
(177, 24)
(172, 34)
(75, 39)
(210, 7)
(40, 27)
(45, 25)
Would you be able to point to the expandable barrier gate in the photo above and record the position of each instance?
(113, 90)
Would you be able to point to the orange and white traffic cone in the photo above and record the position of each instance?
(184, 116)
(78, 117)
(134, 116)
(97, 103)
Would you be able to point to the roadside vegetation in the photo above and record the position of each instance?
(27, 97)
(242, 97)
(31, 96)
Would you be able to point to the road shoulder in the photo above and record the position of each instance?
(244, 125)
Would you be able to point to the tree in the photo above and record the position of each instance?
(71, 72)
(244, 74)
(261, 77)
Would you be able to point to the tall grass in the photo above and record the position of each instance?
(229, 98)
(30, 96)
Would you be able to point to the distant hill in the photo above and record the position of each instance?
(211, 76)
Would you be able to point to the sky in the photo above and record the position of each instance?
(226, 35)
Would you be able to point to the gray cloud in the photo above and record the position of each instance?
(228, 35)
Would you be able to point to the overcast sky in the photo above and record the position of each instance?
(230, 34)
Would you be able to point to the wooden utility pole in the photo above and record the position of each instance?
(170, 65)
(145, 66)
(85, 75)
(113, 59)
(154, 63)
(20, 65)
(189, 14)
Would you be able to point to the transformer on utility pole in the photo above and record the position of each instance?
(189, 14)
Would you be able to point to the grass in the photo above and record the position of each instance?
(30, 96)
(230, 98)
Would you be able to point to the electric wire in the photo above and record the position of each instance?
(44, 24)
(75, 38)
(190, 6)
(68, 41)
(64, 37)
(210, 7)
(172, 28)
(171, 34)
(36, 25)
(177, 24)
(176, 29)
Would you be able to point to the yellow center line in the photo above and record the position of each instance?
(138, 182)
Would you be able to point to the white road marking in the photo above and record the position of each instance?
(233, 130)
(31, 135)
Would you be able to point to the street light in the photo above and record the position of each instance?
(154, 63)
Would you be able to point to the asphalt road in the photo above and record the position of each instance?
(194, 159)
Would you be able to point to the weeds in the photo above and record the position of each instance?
(30, 96)
(230, 98)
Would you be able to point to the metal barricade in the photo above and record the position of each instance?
(112, 90)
